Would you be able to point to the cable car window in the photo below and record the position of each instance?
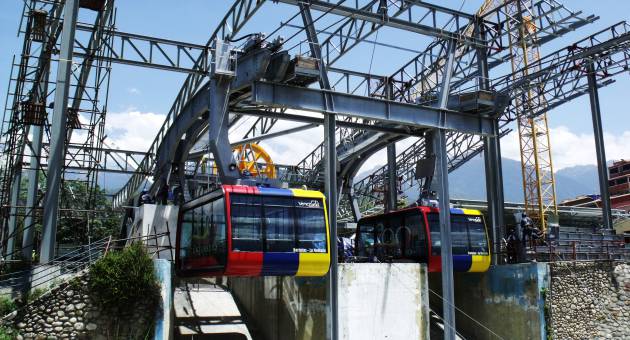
(477, 235)
(219, 237)
(202, 240)
(418, 241)
(365, 240)
(311, 225)
(434, 228)
(397, 236)
(246, 217)
(279, 223)
(185, 235)
(459, 234)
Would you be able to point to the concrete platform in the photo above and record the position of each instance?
(204, 310)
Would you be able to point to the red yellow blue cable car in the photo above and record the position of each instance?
(240, 230)
(413, 235)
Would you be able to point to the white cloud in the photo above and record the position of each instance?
(291, 149)
(132, 130)
(571, 149)
(135, 130)
(133, 90)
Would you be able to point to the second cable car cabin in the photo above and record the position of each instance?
(240, 230)
(413, 235)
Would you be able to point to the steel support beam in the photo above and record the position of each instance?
(330, 189)
(330, 172)
(438, 137)
(58, 132)
(600, 148)
(494, 191)
(492, 157)
(218, 127)
(337, 8)
(308, 99)
(392, 187)
(13, 212)
(31, 193)
(402, 131)
(274, 134)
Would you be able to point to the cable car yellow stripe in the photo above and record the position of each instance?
(473, 212)
(314, 264)
(480, 263)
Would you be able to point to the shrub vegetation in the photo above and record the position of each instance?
(121, 281)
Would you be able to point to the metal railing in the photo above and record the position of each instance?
(573, 249)
(66, 266)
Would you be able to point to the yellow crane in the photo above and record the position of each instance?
(539, 187)
(535, 146)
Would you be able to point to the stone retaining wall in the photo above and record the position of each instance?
(589, 300)
(68, 312)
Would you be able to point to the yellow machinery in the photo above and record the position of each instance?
(250, 158)
(255, 160)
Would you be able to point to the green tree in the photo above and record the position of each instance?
(85, 214)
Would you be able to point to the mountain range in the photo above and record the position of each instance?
(468, 182)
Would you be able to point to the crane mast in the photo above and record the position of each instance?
(539, 188)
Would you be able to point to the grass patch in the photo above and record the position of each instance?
(7, 333)
(7, 305)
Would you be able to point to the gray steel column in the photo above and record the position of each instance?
(58, 132)
(330, 189)
(600, 149)
(494, 191)
(392, 183)
(441, 180)
(13, 211)
(492, 156)
(31, 193)
(330, 173)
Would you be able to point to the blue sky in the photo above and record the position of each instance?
(145, 94)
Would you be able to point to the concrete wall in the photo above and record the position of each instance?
(151, 220)
(383, 301)
(376, 301)
(164, 317)
(283, 308)
(505, 302)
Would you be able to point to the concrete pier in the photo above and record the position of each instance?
(376, 301)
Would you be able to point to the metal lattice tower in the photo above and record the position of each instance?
(535, 148)
(26, 129)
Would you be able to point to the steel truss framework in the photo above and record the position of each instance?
(417, 80)
(29, 102)
(445, 95)
(560, 77)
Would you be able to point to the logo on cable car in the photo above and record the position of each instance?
(476, 219)
(306, 250)
(308, 204)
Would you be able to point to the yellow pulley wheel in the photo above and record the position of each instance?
(252, 158)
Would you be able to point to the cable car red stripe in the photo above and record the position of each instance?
(240, 263)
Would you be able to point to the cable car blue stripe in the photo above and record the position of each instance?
(275, 191)
(280, 264)
(456, 211)
(462, 263)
